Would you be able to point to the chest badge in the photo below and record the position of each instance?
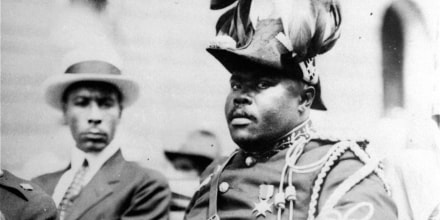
(263, 206)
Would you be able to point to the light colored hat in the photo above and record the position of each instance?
(201, 146)
(90, 64)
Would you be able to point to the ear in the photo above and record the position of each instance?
(307, 97)
(121, 108)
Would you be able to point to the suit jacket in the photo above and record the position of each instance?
(22, 200)
(119, 190)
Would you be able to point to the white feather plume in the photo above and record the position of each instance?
(298, 18)
(311, 26)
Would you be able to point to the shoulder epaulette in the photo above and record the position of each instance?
(330, 138)
(370, 165)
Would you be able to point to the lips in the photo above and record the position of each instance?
(95, 136)
(240, 121)
(240, 118)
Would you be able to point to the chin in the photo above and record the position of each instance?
(94, 147)
(245, 141)
(249, 141)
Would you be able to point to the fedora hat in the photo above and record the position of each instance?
(201, 146)
(248, 40)
(90, 64)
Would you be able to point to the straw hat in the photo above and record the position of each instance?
(90, 64)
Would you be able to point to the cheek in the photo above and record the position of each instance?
(112, 121)
(279, 111)
(228, 104)
(74, 124)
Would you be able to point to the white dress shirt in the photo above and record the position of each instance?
(95, 160)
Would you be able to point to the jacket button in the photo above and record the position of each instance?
(250, 161)
(223, 187)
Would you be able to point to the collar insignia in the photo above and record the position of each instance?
(26, 186)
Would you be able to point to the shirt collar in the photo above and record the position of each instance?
(95, 160)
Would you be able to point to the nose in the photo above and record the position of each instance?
(242, 98)
(95, 116)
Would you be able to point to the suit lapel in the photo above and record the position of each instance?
(99, 187)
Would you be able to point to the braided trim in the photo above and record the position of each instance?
(337, 151)
(365, 157)
(370, 167)
(380, 173)
(348, 184)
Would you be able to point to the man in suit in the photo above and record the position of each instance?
(99, 183)
(23, 200)
(284, 168)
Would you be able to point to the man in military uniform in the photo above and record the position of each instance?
(23, 200)
(284, 169)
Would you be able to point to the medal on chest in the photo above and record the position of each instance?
(263, 205)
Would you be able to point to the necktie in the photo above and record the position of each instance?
(73, 190)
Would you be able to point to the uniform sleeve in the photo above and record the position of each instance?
(40, 207)
(367, 199)
(151, 199)
(203, 188)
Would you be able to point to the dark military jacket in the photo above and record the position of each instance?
(23, 200)
(344, 184)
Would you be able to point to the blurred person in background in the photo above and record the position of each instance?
(283, 168)
(99, 183)
(23, 200)
(200, 148)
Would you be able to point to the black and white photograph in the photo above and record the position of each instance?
(220, 109)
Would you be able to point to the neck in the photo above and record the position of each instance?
(303, 129)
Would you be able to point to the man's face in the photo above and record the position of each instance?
(92, 113)
(260, 108)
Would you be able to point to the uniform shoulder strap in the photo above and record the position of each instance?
(336, 152)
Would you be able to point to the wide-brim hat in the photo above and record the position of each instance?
(201, 146)
(91, 65)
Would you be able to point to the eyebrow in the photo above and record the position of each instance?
(88, 96)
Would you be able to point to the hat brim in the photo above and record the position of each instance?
(234, 61)
(203, 161)
(55, 86)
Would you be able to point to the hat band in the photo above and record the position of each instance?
(93, 66)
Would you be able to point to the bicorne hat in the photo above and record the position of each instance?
(283, 36)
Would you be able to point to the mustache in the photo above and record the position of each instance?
(239, 113)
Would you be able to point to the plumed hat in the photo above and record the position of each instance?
(278, 35)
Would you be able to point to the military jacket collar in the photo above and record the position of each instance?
(304, 130)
